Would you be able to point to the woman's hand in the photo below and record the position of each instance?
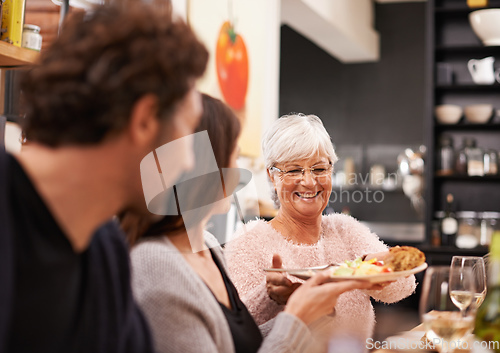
(316, 298)
(279, 288)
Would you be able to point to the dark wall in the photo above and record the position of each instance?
(369, 104)
(366, 103)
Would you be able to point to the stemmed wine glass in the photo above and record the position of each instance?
(476, 264)
(444, 323)
(461, 287)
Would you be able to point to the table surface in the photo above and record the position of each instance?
(416, 328)
(420, 328)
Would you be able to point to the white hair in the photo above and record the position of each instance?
(294, 137)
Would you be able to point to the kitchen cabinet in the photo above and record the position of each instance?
(452, 42)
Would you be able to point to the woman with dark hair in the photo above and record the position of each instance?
(179, 272)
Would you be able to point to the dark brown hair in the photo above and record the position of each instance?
(223, 128)
(87, 82)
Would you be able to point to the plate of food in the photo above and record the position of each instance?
(402, 261)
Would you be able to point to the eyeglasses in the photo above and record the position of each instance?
(318, 171)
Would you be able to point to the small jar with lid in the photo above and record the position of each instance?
(468, 230)
(475, 158)
(32, 39)
(489, 222)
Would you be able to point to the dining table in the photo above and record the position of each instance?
(402, 343)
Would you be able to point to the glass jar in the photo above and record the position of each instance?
(475, 158)
(489, 222)
(468, 230)
(490, 162)
(445, 156)
(32, 38)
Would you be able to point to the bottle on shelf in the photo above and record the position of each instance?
(449, 223)
(489, 223)
(436, 233)
(490, 162)
(445, 156)
(487, 327)
(475, 158)
(461, 161)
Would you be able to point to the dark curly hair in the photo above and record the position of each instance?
(87, 82)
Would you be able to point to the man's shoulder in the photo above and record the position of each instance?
(108, 247)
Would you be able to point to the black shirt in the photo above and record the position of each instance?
(48, 273)
(58, 300)
(247, 337)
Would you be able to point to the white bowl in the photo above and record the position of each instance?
(478, 113)
(486, 25)
(448, 113)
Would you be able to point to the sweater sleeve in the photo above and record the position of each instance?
(289, 334)
(366, 242)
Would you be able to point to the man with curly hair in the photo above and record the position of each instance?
(117, 84)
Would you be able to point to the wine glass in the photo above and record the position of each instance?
(476, 264)
(444, 323)
(461, 287)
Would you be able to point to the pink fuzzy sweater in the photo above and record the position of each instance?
(344, 238)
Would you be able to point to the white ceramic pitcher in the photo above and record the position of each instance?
(482, 71)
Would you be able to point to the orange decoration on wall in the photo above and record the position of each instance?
(232, 66)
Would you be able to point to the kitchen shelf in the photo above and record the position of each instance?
(477, 251)
(493, 178)
(453, 41)
(467, 127)
(11, 55)
(463, 9)
(453, 10)
(467, 49)
(470, 88)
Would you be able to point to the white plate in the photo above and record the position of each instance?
(306, 273)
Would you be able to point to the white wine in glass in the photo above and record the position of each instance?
(477, 266)
(462, 287)
(479, 298)
(445, 324)
(461, 298)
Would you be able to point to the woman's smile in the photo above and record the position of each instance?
(307, 195)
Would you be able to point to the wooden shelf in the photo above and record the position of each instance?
(11, 55)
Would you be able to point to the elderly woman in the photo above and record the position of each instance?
(179, 272)
(299, 158)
